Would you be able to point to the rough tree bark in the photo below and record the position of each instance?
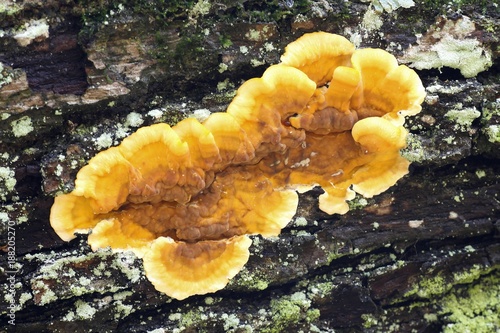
(76, 76)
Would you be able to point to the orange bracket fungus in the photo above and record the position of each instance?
(185, 198)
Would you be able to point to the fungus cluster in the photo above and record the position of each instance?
(185, 198)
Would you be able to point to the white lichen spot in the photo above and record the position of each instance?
(430, 317)
(24, 297)
(391, 5)
(354, 36)
(7, 178)
(269, 47)
(201, 8)
(243, 49)
(222, 67)
(452, 215)
(300, 221)
(321, 8)
(480, 174)
(125, 261)
(21, 126)
(123, 310)
(223, 85)
(37, 30)
(493, 133)
(303, 233)
(256, 62)
(415, 223)
(449, 139)
(375, 225)
(4, 217)
(469, 249)
(121, 131)
(200, 114)
(134, 119)
(84, 310)
(459, 197)
(59, 170)
(155, 113)
(175, 316)
(105, 140)
(70, 316)
(371, 20)
(230, 321)
(84, 281)
(8, 181)
(257, 35)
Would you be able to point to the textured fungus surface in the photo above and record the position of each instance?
(184, 198)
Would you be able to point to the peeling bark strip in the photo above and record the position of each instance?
(423, 256)
(52, 63)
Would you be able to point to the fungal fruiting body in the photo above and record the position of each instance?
(185, 198)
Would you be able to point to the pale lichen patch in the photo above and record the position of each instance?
(371, 20)
(22, 126)
(463, 117)
(134, 119)
(126, 262)
(475, 309)
(391, 5)
(84, 310)
(105, 140)
(492, 133)
(200, 114)
(7, 183)
(451, 43)
(35, 30)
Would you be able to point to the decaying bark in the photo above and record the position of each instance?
(78, 76)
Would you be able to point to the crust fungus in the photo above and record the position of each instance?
(184, 198)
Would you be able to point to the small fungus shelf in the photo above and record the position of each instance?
(185, 198)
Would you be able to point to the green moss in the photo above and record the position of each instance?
(490, 110)
(369, 320)
(414, 150)
(359, 202)
(9, 8)
(159, 12)
(289, 310)
(193, 318)
(474, 308)
(322, 289)
(250, 281)
(225, 41)
(189, 49)
(429, 287)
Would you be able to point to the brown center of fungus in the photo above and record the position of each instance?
(185, 198)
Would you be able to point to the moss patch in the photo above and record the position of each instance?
(473, 308)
